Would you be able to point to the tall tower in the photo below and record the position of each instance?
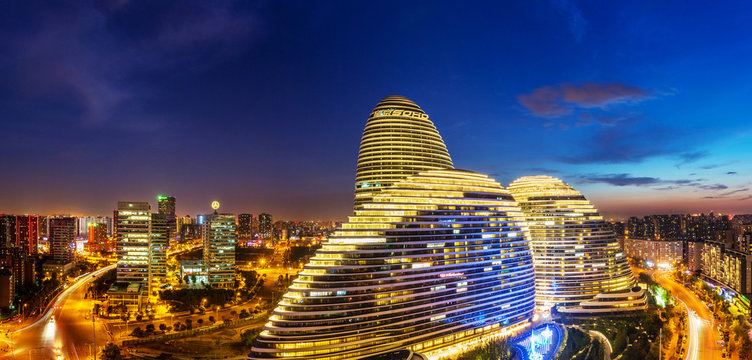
(62, 239)
(245, 223)
(166, 206)
(433, 257)
(576, 254)
(219, 249)
(399, 140)
(158, 246)
(265, 226)
(133, 238)
(27, 233)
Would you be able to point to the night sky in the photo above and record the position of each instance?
(644, 106)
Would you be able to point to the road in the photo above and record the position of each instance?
(66, 326)
(703, 334)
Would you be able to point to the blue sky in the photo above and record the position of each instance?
(642, 106)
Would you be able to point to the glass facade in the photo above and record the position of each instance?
(133, 241)
(399, 140)
(439, 258)
(576, 254)
(219, 250)
(158, 244)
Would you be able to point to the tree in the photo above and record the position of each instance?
(150, 328)
(233, 312)
(139, 317)
(162, 327)
(244, 314)
(249, 336)
(200, 321)
(111, 352)
(211, 319)
(137, 332)
(188, 324)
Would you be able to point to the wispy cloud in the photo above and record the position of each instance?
(690, 157)
(623, 179)
(577, 22)
(107, 69)
(562, 99)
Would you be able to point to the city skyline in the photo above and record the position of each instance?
(223, 107)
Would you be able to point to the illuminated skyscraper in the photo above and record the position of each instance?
(245, 224)
(167, 208)
(62, 239)
(98, 240)
(133, 237)
(439, 258)
(576, 254)
(20, 231)
(265, 226)
(219, 250)
(158, 246)
(399, 140)
(432, 257)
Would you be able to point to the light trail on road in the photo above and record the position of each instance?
(67, 330)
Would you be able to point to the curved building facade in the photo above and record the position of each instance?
(576, 255)
(439, 258)
(399, 140)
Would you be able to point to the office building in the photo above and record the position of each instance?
(399, 140)
(158, 246)
(133, 237)
(219, 250)
(62, 239)
(166, 205)
(438, 259)
(433, 257)
(576, 254)
(133, 278)
(659, 252)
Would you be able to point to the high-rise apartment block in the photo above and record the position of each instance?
(20, 231)
(98, 239)
(245, 226)
(265, 226)
(62, 239)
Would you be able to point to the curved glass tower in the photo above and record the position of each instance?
(439, 258)
(399, 140)
(576, 255)
(432, 257)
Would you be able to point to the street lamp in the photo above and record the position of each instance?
(216, 312)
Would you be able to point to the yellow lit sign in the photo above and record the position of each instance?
(215, 205)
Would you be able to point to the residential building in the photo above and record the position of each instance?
(62, 239)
